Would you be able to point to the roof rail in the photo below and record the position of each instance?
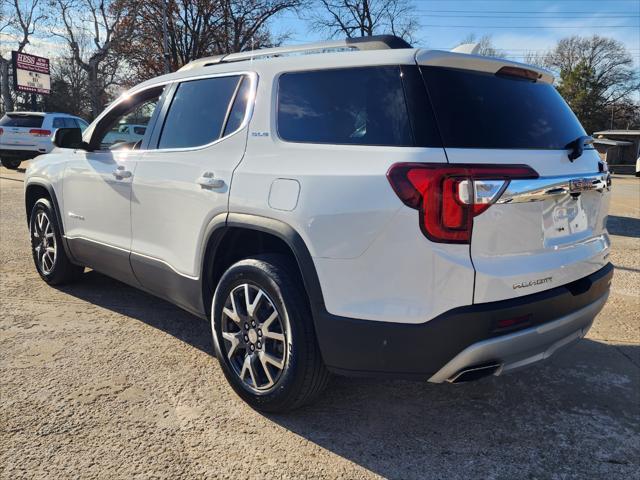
(374, 42)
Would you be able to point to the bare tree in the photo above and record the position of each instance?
(363, 18)
(198, 28)
(68, 87)
(20, 24)
(485, 44)
(244, 23)
(596, 76)
(108, 24)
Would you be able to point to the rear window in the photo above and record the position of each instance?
(483, 110)
(25, 121)
(359, 106)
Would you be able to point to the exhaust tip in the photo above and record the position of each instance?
(475, 373)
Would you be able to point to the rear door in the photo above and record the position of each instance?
(537, 233)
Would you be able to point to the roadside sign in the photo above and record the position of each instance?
(31, 73)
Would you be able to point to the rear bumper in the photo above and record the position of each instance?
(465, 337)
(521, 348)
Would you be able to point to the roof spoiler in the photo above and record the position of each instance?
(374, 42)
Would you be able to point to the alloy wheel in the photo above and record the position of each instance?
(255, 337)
(44, 242)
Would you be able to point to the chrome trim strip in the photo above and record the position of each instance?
(538, 189)
(79, 237)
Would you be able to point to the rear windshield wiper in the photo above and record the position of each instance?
(577, 146)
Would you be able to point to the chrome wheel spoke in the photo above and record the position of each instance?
(247, 367)
(279, 364)
(278, 337)
(265, 367)
(251, 306)
(234, 339)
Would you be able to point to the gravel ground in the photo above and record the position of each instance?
(98, 380)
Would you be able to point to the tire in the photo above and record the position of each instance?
(11, 163)
(47, 249)
(285, 371)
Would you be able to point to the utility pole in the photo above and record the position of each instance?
(612, 109)
(165, 38)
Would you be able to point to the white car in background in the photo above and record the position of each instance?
(25, 135)
(124, 134)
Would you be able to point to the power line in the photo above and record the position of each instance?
(596, 17)
(538, 26)
(522, 11)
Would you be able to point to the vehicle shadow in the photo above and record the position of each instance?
(111, 294)
(574, 416)
(623, 226)
(536, 423)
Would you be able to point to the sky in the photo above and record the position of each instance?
(516, 26)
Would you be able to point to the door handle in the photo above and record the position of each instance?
(121, 173)
(208, 180)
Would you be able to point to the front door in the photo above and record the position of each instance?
(182, 182)
(97, 190)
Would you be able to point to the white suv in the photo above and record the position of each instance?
(25, 135)
(366, 208)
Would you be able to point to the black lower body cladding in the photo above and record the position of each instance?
(364, 347)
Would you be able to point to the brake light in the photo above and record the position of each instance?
(449, 196)
(519, 72)
(38, 132)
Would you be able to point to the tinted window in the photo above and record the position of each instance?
(116, 132)
(17, 120)
(360, 106)
(482, 110)
(197, 113)
(64, 122)
(239, 107)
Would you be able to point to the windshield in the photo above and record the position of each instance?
(483, 110)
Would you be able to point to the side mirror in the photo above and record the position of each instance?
(69, 138)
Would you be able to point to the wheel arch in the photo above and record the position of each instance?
(270, 236)
(37, 189)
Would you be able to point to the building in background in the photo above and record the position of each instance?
(619, 148)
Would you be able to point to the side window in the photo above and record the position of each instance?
(70, 122)
(58, 122)
(114, 130)
(239, 109)
(198, 112)
(81, 124)
(359, 106)
(139, 130)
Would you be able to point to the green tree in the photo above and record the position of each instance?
(596, 75)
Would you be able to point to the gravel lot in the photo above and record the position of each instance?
(98, 380)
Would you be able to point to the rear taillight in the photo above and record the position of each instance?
(38, 132)
(449, 196)
(1, 131)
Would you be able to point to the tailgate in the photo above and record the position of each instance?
(537, 233)
(17, 129)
